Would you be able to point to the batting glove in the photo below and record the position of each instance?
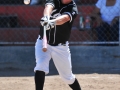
(44, 20)
(52, 23)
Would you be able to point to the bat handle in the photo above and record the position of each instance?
(44, 40)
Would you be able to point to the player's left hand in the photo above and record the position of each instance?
(44, 20)
(50, 24)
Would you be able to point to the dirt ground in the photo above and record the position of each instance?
(54, 82)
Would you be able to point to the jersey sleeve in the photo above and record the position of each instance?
(72, 11)
(50, 2)
(99, 4)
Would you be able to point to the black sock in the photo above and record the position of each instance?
(75, 85)
(39, 80)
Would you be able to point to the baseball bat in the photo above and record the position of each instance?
(44, 40)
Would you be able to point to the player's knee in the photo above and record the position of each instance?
(69, 80)
(40, 68)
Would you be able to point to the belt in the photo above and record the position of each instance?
(59, 44)
(56, 44)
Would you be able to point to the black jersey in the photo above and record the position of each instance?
(60, 33)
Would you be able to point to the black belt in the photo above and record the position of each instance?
(59, 44)
(56, 44)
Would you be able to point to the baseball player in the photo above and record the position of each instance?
(58, 17)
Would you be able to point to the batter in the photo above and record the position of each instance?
(58, 17)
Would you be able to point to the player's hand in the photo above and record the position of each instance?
(44, 20)
(51, 23)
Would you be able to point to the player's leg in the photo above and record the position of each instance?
(39, 80)
(62, 60)
(75, 85)
(42, 65)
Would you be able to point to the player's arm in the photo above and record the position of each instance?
(68, 16)
(61, 19)
(48, 9)
(49, 5)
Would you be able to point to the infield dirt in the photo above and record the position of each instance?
(54, 82)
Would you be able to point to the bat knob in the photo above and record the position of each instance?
(44, 49)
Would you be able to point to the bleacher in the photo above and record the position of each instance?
(27, 26)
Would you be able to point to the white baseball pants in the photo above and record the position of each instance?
(61, 57)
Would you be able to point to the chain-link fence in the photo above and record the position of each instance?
(19, 23)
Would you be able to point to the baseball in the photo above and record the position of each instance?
(44, 49)
(26, 2)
